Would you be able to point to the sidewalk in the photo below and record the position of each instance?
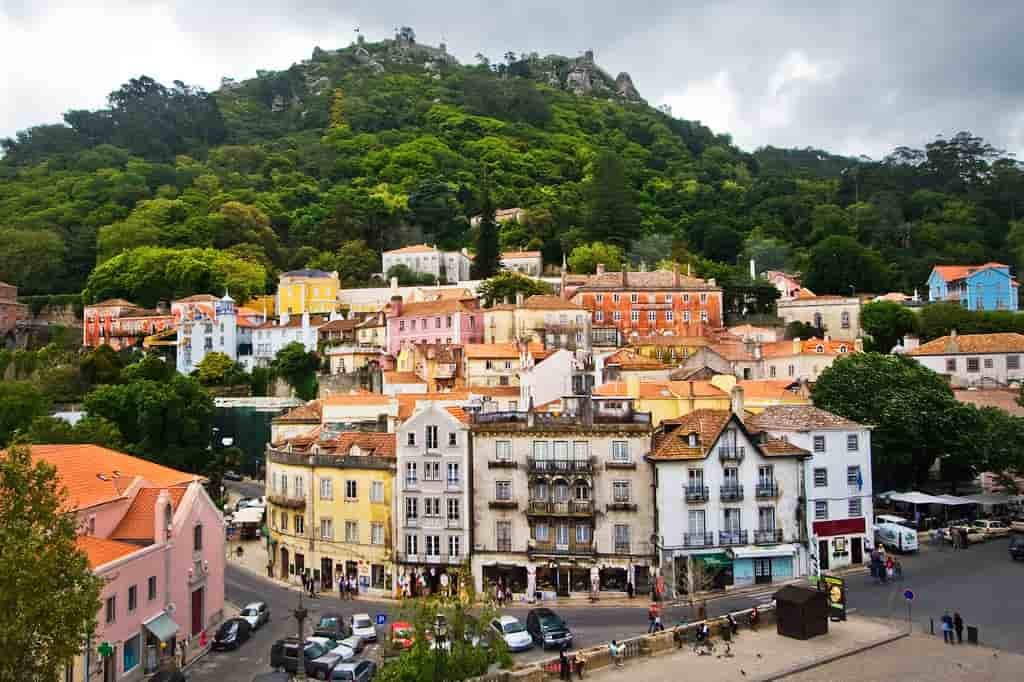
(761, 655)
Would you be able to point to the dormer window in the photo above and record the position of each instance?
(842, 349)
(692, 440)
(819, 348)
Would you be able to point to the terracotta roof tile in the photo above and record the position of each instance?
(94, 475)
(310, 412)
(198, 298)
(798, 418)
(658, 279)
(369, 444)
(733, 352)
(770, 388)
(627, 358)
(778, 447)
(665, 390)
(402, 378)
(676, 341)
(100, 551)
(137, 523)
(497, 351)
(782, 349)
(339, 326)
(954, 272)
(111, 303)
(356, 398)
(458, 413)
(494, 391)
(437, 307)
(1004, 399)
(294, 321)
(407, 401)
(675, 443)
(519, 254)
(413, 248)
(972, 343)
(545, 302)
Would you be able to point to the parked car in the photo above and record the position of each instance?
(343, 648)
(353, 642)
(360, 671)
(332, 625)
(991, 529)
(513, 632)
(362, 625)
(895, 537)
(169, 676)
(232, 633)
(257, 613)
(1017, 524)
(230, 475)
(547, 629)
(284, 653)
(402, 634)
(320, 667)
(1017, 547)
(974, 535)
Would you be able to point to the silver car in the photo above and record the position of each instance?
(257, 613)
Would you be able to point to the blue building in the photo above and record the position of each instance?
(975, 287)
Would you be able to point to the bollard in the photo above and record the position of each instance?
(931, 625)
(972, 634)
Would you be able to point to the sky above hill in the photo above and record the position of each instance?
(852, 78)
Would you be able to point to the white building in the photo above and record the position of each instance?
(446, 266)
(200, 332)
(560, 374)
(527, 262)
(837, 477)
(433, 511)
(727, 503)
(839, 316)
(273, 335)
(982, 360)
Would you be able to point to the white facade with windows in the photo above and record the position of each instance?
(447, 266)
(840, 515)
(975, 360)
(432, 514)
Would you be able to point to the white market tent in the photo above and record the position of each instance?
(914, 497)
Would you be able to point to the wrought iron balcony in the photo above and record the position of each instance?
(731, 453)
(557, 549)
(772, 536)
(697, 493)
(698, 539)
(503, 504)
(622, 548)
(732, 537)
(570, 508)
(731, 493)
(288, 501)
(766, 490)
(560, 466)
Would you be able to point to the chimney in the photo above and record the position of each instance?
(688, 270)
(828, 337)
(394, 283)
(163, 502)
(600, 268)
(396, 306)
(736, 397)
(519, 299)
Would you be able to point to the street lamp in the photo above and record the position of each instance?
(301, 614)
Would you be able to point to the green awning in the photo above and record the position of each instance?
(162, 627)
(719, 560)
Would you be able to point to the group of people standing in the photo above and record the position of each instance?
(884, 567)
(502, 593)
(348, 587)
(567, 663)
(952, 625)
(417, 584)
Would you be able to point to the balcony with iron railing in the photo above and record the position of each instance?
(439, 559)
(559, 549)
(732, 537)
(287, 501)
(731, 492)
(623, 548)
(771, 536)
(731, 453)
(697, 493)
(567, 508)
(503, 545)
(621, 505)
(698, 540)
(560, 466)
(503, 504)
(766, 490)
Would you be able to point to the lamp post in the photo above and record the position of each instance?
(440, 635)
(300, 614)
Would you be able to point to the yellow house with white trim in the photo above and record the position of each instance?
(307, 291)
(329, 509)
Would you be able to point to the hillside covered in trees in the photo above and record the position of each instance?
(171, 190)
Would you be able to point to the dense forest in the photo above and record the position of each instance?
(171, 190)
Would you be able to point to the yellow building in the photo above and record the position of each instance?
(762, 393)
(307, 291)
(265, 305)
(547, 320)
(667, 400)
(672, 350)
(329, 514)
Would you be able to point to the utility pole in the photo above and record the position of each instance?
(300, 614)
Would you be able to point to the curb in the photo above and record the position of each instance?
(810, 665)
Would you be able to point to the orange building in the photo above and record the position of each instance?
(642, 304)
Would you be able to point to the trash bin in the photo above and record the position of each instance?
(972, 634)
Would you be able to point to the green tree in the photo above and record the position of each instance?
(487, 259)
(507, 285)
(298, 367)
(102, 365)
(217, 369)
(803, 330)
(838, 263)
(916, 418)
(612, 215)
(20, 403)
(31, 259)
(95, 430)
(585, 258)
(407, 277)
(48, 592)
(886, 323)
(354, 261)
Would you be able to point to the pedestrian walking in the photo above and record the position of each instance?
(947, 628)
(629, 589)
(581, 662)
(563, 665)
(890, 568)
(897, 567)
(615, 651)
(652, 615)
(958, 627)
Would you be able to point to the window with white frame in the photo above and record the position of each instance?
(432, 545)
(503, 491)
(351, 490)
(412, 508)
(599, 299)
(616, 316)
(686, 316)
(503, 535)
(540, 449)
(326, 489)
(352, 531)
(973, 365)
(431, 471)
(821, 510)
(703, 298)
(668, 298)
(432, 507)
(376, 533)
(503, 450)
(703, 316)
(377, 491)
(540, 532)
(300, 524)
(854, 508)
(652, 315)
(1012, 362)
(599, 316)
(327, 529)
(454, 546)
(582, 534)
(284, 521)
(620, 451)
(581, 450)
(669, 316)
(621, 491)
(410, 439)
(852, 442)
(634, 298)
(412, 545)
(819, 443)
(820, 477)
(634, 315)
(615, 298)
(300, 487)
(454, 505)
(431, 435)
(853, 476)
(454, 477)
(453, 439)
(622, 538)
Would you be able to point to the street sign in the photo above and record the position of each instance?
(908, 595)
(836, 589)
(382, 618)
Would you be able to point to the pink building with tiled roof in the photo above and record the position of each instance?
(121, 324)
(157, 539)
(447, 321)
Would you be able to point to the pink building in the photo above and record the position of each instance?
(10, 313)
(448, 321)
(157, 539)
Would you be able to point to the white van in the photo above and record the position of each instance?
(896, 537)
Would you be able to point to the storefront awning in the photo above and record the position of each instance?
(718, 560)
(764, 552)
(162, 627)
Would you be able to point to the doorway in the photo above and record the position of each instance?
(110, 667)
(284, 564)
(197, 611)
(562, 588)
(857, 550)
(823, 555)
(326, 574)
(762, 571)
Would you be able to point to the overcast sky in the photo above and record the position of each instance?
(853, 77)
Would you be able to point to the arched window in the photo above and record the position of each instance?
(561, 491)
(819, 348)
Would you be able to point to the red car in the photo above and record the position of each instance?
(402, 634)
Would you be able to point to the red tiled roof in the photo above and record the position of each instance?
(369, 443)
(137, 523)
(798, 418)
(413, 248)
(94, 475)
(781, 349)
(310, 412)
(458, 413)
(655, 390)
(1004, 399)
(546, 302)
(437, 307)
(356, 398)
(100, 551)
(954, 272)
(198, 298)
(675, 444)
(769, 388)
(520, 254)
(627, 358)
(658, 279)
(294, 321)
(494, 391)
(407, 401)
(111, 303)
(402, 378)
(497, 351)
(1005, 342)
